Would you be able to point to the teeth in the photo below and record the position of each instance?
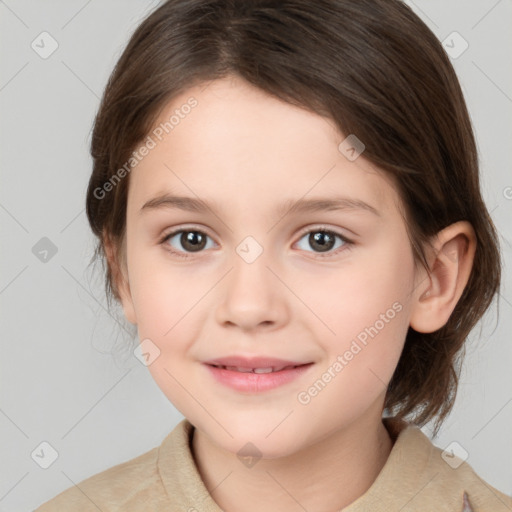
(268, 369)
(238, 369)
(263, 370)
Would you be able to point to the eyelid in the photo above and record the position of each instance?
(322, 227)
(187, 227)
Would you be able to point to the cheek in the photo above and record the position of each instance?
(169, 312)
(367, 309)
(368, 291)
(165, 294)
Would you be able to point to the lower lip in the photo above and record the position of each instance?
(256, 382)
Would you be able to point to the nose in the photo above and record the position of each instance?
(252, 297)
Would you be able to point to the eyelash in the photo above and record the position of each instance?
(347, 244)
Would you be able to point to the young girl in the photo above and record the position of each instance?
(286, 195)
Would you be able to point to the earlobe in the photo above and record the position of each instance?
(120, 278)
(450, 264)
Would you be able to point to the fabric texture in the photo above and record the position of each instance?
(415, 478)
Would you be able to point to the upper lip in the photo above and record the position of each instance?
(253, 362)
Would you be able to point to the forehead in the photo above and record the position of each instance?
(240, 144)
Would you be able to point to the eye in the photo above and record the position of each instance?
(323, 241)
(190, 240)
(183, 242)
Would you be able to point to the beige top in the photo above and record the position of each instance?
(415, 478)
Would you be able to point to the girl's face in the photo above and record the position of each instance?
(252, 235)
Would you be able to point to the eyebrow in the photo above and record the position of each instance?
(301, 205)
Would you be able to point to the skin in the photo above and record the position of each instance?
(247, 152)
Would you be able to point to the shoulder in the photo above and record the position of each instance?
(439, 479)
(162, 479)
(457, 477)
(117, 488)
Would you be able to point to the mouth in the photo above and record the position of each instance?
(255, 375)
(265, 369)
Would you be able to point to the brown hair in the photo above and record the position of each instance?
(378, 72)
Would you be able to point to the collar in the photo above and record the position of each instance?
(410, 479)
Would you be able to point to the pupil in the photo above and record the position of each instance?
(193, 241)
(321, 240)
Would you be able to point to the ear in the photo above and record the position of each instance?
(118, 268)
(450, 263)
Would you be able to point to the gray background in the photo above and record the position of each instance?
(67, 372)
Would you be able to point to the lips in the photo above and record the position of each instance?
(254, 364)
(265, 369)
(255, 374)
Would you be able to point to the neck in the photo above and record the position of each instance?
(326, 476)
